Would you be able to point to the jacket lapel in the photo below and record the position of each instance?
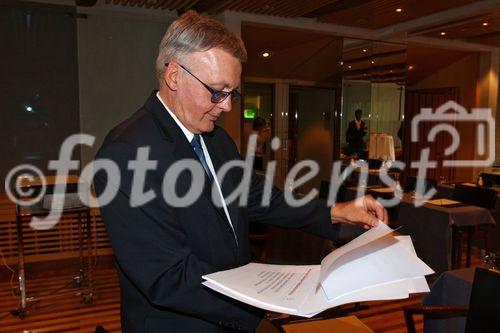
(228, 185)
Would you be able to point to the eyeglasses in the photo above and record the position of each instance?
(218, 96)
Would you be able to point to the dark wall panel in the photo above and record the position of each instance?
(39, 83)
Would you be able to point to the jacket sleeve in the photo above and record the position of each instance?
(364, 128)
(313, 217)
(152, 250)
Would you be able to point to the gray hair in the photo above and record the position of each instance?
(192, 32)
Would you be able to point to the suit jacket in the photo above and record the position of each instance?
(162, 251)
(354, 137)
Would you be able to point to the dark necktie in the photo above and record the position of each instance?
(198, 149)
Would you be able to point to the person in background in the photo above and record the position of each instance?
(261, 129)
(355, 133)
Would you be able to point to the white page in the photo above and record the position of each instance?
(383, 260)
(419, 284)
(296, 290)
(318, 302)
(386, 291)
(243, 298)
(369, 236)
(284, 286)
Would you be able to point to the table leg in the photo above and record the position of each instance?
(454, 245)
(80, 249)
(90, 269)
(20, 263)
(469, 246)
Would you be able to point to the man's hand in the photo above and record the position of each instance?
(364, 210)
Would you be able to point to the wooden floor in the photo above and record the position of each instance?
(69, 314)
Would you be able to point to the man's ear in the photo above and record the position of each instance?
(171, 76)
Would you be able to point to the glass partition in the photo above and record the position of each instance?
(258, 105)
(374, 82)
(311, 135)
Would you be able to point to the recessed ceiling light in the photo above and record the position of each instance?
(373, 61)
(349, 66)
(266, 54)
(443, 33)
(341, 63)
(364, 50)
(485, 24)
(399, 10)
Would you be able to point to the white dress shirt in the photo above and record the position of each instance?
(190, 137)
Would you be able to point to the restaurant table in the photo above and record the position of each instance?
(381, 146)
(431, 228)
(351, 192)
(446, 191)
(452, 288)
(373, 177)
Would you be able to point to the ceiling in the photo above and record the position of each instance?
(369, 14)
(295, 55)
(376, 14)
(418, 58)
(321, 57)
(374, 61)
(477, 28)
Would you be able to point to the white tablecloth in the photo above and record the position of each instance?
(381, 146)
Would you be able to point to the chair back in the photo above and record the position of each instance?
(475, 195)
(489, 179)
(374, 163)
(324, 190)
(483, 315)
(410, 184)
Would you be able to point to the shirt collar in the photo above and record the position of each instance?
(186, 132)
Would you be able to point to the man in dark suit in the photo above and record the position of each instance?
(163, 246)
(355, 133)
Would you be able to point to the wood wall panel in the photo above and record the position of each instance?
(415, 100)
(60, 242)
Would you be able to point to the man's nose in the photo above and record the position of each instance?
(226, 105)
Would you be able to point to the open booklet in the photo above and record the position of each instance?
(374, 266)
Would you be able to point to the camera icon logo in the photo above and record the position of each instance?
(449, 113)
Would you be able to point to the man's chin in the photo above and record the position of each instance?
(209, 126)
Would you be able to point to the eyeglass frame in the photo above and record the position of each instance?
(235, 94)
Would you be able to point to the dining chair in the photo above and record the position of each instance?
(374, 163)
(324, 190)
(475, 196)
(410, 184)
(488, 179)
(481, 314)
